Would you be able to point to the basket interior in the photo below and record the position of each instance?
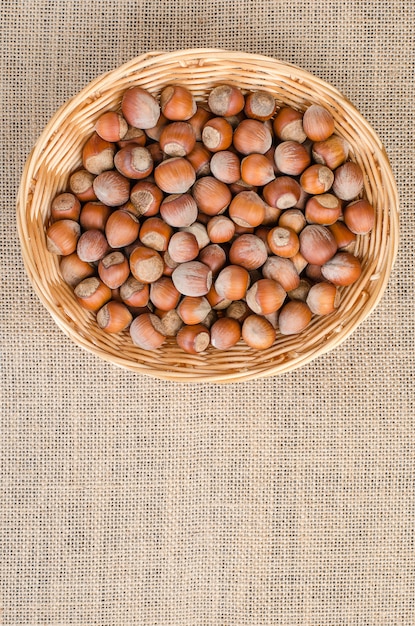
(58, 153)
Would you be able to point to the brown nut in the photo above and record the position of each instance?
(257, 170)
(140, 108)
(211, 195)
(225, 333)
(283, 271)
(317, 179)
(92, 246)
(252, 136)
(193, 339)
(92, 293)
(122, 228)
(179, 210)
(74, 270)
(226, 166)
(65, 206)
(260, 105)
(343, 269)
(318, 123)
(217, 134)
(283, 241)
(175, 175)
(146, 264)
(81, 184)
(114, 317)
(283, 193)
(291, 158)
(163, 294)
(317, 244)
(147, 332)
(226, 100)
(288, 125)
(323, 298)
(112, 188)
(111, 126)
(323, 209)
(192, 279)
(294, 317)
(177, 139)
(258, 332)
(134, 162)
(247, 209)
(62, 237)
(232, 282)
(265, 296)
(348, 181)
(359, 217)
(155, 233)
(177, 103)
(183, 247)
(114, 269)
(98, 155)
(146, 198)
(193, 310)
(248, 251)
(331, 152)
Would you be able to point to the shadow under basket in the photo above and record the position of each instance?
(57, 153)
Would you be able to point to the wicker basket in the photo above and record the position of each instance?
(58, 152)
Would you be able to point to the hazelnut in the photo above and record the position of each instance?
(177, 139)
(146, 264)
(122, 228)
(134, 293)
(288, 125)
(291, 158)
(65, 206)
(146, 198)
(359, 217)
(294, 317)
(140, 108)
(92, 293)
(112, 188)
(217, 134)
(163, 294)
(331, 152)
(155, 233)
(179, 210)
(323, 298)
(265, 296)
(348, 181)
(92, 246)
(94, 215)
(282, 193)
(225, 333)
(214, 256)
(247, 209)
(220, 229)
(283, 241)
(81, 184)
(318, 123)
(317, 179)
(226, 100)
(114, 269)
(257, 170)
(74, 270)
(183, 247)
(226, 166)
(111, 126)
(283, 271)
(248, 251)
(258, 332)
(323, 209)
(192, 278)
(147, 332)
(193, 339)
(211, 195)
(98, 155)
(62, 237)
(342, 269)
(232, 282)
(134, 162)
(114, 317)
(200, 158)
(252, 136)
(174, 175)
(193, 310)
(260, 105)
(317, 244)
(177, 103)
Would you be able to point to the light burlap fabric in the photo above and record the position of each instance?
(130, 501)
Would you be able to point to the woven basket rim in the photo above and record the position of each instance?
(44, 275)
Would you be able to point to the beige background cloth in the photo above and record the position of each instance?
(130, 501)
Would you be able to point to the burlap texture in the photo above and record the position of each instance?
(129, 501)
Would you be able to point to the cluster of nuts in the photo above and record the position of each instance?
(210, 222)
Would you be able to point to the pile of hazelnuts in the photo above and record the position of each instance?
(214, 222)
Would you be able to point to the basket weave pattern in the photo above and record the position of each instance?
(58, 152)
